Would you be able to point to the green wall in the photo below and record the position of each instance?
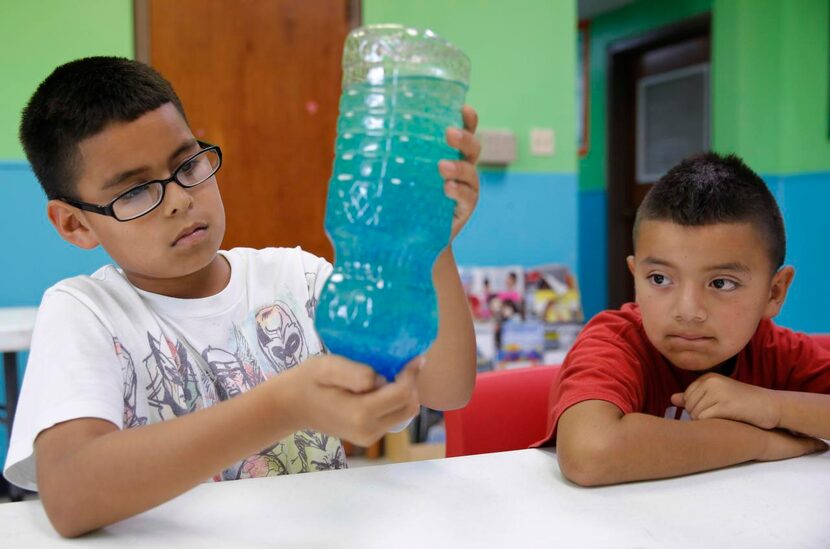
(38, 35)
(769, 80)
(627, 22)
(523, 57)
(770, 83)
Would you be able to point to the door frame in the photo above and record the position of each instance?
(620, 167)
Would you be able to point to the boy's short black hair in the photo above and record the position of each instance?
(78, 100)
(711, 188)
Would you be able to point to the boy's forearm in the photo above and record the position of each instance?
(447, 379)
(806, 413)
(123, 473)
(648, 447)
(655, 447)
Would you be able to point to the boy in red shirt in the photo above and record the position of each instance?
(698, 345)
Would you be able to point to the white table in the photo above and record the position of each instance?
(16, 324)
(511, 499)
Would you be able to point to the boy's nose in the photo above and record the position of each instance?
(176, 198)
(689, 305)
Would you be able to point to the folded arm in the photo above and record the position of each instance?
(597, 444)
(717, 396)
(806, 413)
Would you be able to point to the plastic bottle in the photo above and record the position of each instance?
(386, 213)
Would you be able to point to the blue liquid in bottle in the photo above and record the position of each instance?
(388, 218)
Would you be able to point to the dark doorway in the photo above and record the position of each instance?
(658, 113)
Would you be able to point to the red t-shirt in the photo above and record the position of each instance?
(613, 360)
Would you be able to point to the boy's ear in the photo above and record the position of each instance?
(71, 224)
(630, 262)
(778, 290)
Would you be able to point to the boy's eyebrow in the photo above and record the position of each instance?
(123, 176)
(731, 266)
(656, 261)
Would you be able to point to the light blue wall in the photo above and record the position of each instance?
(593, 243)
(804, 200)
(36, 257)
(522, 218)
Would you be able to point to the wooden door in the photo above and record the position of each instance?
(664, 51)
(261, 79)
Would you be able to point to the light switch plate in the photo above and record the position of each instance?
(498, 147)
(542, 142)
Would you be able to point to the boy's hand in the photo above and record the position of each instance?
(782, 444)
(461, 178)
(717, 396)
(349, 400)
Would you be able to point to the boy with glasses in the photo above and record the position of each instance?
(185, 362)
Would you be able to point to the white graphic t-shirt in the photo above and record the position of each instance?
(104, 349)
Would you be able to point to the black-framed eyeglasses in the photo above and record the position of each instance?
(145, 198)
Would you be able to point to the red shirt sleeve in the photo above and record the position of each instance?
(804, 364)
(604, 364)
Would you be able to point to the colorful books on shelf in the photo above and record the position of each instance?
(523, 316)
